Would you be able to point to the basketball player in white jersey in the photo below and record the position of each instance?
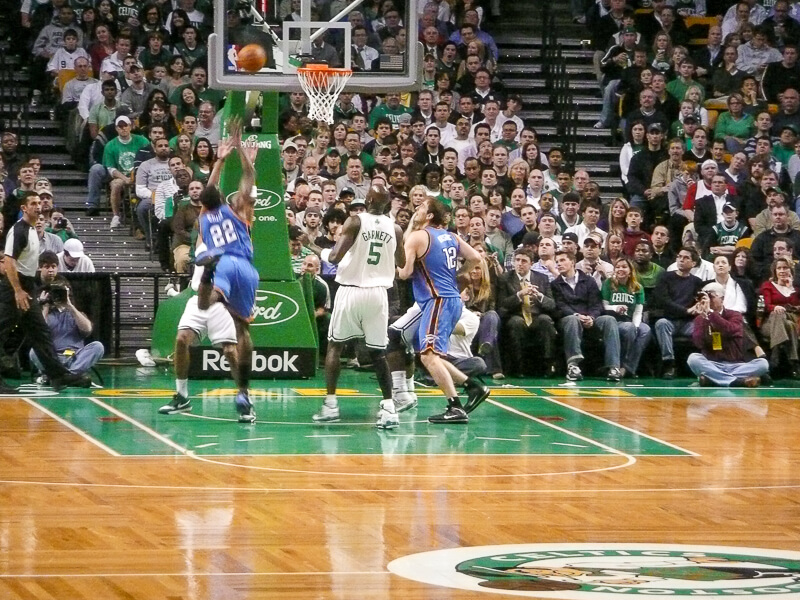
(216, 323)
(368, 251)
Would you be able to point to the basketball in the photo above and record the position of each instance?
(251, 58)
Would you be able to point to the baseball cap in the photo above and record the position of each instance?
(775, 189)
(791, 127)
(74, 247)
(654, 127)
(714, 288)
(630, 29)
(569, 236)
(313, 210)
(46, 191)
(333, 152)
(289, 145)
(122, 119)
(384, 150)
(690, 119)
(728, 207)
(709, 163)
(404, 119)
(593, 238)
(347, 191)
(358, 202)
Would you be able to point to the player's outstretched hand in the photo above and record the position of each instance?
(235, 131)
(250, 150)
(224, 148)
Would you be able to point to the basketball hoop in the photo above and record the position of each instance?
(322, 85)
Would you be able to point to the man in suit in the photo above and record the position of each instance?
(708, 209)
(580, 313)
(524, 300)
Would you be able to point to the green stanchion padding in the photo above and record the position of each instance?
(283, 329)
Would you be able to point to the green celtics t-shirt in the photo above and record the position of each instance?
(120, 155)
(621, 295)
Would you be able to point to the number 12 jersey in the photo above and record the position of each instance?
(435, 271)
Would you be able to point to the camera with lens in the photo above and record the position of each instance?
(61, 223)
(56, 294)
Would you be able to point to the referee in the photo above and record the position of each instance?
(18, 303)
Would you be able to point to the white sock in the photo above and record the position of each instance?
(399, 381)
(387, 404)
(410, 384)
(330, 401)
(182, 387)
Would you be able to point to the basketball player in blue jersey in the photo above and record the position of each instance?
(230, 276)
(367, 254)
(432, 255)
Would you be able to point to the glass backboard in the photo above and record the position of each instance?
(382, 51)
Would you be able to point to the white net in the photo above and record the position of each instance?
(322, 86)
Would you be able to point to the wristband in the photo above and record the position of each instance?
(325, 254)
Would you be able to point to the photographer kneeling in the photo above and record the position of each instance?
(68, 326)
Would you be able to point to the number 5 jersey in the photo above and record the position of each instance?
(370, 260)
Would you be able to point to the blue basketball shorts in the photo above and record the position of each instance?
(236, 279)
(439, 318)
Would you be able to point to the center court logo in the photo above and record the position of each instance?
(272, 308)
(608, 571)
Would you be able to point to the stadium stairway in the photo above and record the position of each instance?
(112, 252)
(519, 40)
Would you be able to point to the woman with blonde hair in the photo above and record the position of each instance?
(480, 297)
(662, 51)
(613, 249)
(417, 195)
(614, 222)
(623, 297)
(185, 148)
(518, 171)
(782, 305)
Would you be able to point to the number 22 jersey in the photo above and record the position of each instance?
(435, 271)
(222, 228)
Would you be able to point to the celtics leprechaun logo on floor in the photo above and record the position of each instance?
(595, 570)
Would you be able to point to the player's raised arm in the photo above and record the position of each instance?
(248, 152)
(399, 251)
(224, 148)
(416, 244)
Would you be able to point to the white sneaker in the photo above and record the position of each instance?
(387, 420)
(614, 374)
(574, 373)
(404, 401)
(115, 222)
(327, 414)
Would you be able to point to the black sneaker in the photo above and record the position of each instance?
(476, 393)
(178, 404)
(453, 414)
(7, 390)
(209, 258)
(79, 380)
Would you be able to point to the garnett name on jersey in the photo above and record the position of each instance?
(375, 235)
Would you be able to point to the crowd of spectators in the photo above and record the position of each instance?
(708, 168)
(704, 94)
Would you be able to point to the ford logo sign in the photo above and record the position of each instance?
(273, 308)
(266, 199)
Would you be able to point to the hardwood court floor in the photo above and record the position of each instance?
(101, 498)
